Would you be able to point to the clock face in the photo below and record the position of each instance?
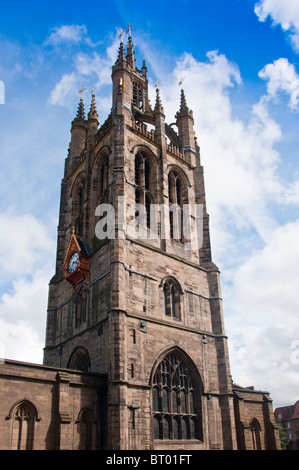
(73, 262)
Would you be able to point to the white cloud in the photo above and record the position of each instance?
(262, 320)
(90, 70)
(23, 318)
(20, 342)
(65, 90)
(27, 264)
(24, 242)
(281, 76)
(285, 13)
(67, 34)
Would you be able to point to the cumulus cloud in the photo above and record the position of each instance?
(23, 243)
(64, 91)
(285, 13)
(90, 69)
(27, 264)
(23, 318)
(68, 34)
(281, 76)
(263, 315)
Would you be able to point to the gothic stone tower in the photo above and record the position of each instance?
(146, 312)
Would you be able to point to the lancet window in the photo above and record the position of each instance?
(80, 306)
(177, 193)
(255, 429)
(79, 208)
(24, 418)
(172, 299)
(143, 186)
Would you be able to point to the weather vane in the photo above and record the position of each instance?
(122, 32)
(82, 91)
(93, 90)
(181, 81)
(157, 84)
(129, 29)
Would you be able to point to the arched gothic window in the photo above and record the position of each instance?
(79, 360)
(176, 401)
(80, 306)
(177, 193)
(79, 208)
(143, 186)
(137, 96)
(255, 429)
(24, 418)
(104, 178)
(172, 299)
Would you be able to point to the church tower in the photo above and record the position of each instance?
(136, 296)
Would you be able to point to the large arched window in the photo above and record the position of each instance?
(24, 417)
(143, 186)
(172, 298)
(176, 401)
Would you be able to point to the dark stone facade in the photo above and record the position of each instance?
(136, 354)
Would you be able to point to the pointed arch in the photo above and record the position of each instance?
(23, 415)
(78, 195)
(178, 184)
(172, 292)
(79, 360)
(145, 179)
(255, 429)
(81, 304)
(87, 429)
(176, 397)
(100, 177)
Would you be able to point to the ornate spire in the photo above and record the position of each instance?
(130, 50)
(144, 69)
(183, 108)
(93, 110)
(121, 53)
(80, 112)
(158, 105)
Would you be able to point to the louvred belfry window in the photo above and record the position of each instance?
(176, 401)
(143, 186)
(177, 194)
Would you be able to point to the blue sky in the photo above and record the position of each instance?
(239, 61)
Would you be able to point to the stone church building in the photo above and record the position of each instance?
(136, 355)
